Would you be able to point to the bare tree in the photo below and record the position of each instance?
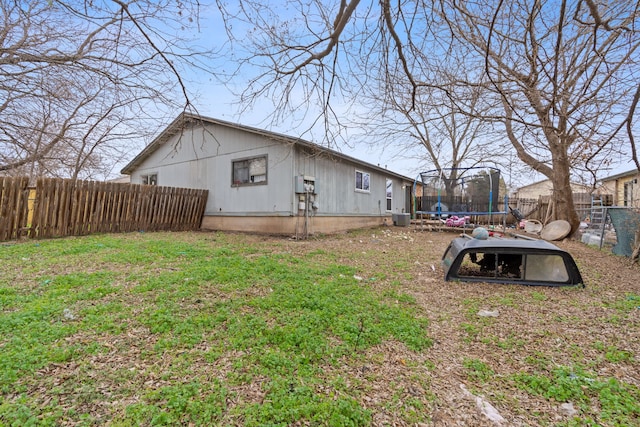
(80, 80)
(443, 129)
(308, 55)
(562, 74)
(565, 81)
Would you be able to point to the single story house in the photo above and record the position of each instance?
(545, 188)
(532, 200)
(266, 182)
(122, 179)
(625, 188)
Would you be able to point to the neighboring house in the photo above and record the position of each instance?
(625, 188)
(545, 188)
(265, 182)
(533, 200)
(122, 179)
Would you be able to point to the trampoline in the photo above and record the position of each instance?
(462, 192)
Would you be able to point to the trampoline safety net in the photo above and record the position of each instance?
(458, 191)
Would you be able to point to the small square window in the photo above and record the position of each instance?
(249, 171)
(362, 181)
(151, 179)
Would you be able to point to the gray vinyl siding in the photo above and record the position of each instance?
(202, 158)
(199, 163)
(335, 183)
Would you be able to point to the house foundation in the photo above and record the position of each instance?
(292, 225)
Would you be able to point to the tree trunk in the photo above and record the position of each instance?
(563, 194)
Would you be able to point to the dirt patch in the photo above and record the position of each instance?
(537, 328)
(465, 378)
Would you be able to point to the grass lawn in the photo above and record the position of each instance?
(348, 330)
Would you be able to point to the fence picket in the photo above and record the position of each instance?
(14, 195)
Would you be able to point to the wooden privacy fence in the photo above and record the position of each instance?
(14, 206)
(63, 207)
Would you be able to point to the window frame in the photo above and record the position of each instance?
(389, 194)
(628, 193)
(149, 178)
(250, 182)
(365, 178)
(535, 268)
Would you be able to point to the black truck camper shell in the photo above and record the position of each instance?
(507, 260)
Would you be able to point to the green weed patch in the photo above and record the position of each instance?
(618, 404)
(159, 331)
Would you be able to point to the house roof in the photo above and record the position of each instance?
(628, 173)
(185, 119)
(533, 184)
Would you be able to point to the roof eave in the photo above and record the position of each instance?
(186, 117)
(626, 174)
(157, 141)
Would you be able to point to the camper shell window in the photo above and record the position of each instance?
(500, 260)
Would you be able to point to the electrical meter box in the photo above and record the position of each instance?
(305, 184)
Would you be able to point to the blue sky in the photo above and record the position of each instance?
(216, 100)
(220, 104)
